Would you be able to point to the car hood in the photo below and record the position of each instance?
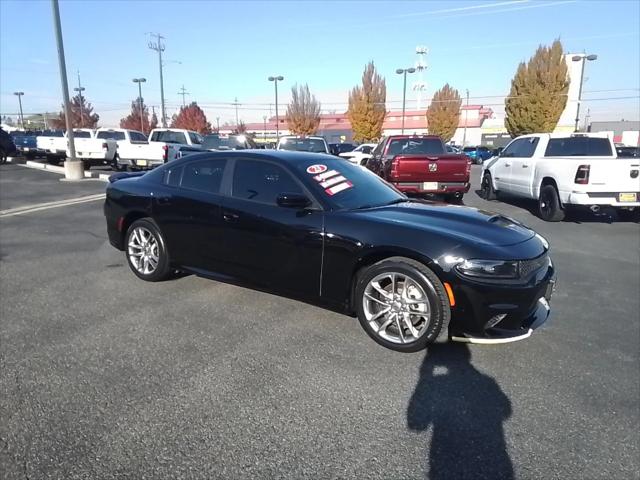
(466, 223)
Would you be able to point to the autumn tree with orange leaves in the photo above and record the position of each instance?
(191, 117)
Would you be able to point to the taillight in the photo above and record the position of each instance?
(394, 168)
(468, 167)
(582, 174)
(165, 154)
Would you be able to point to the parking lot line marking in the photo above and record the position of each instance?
(46, 206)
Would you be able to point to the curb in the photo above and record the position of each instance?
(60, 170)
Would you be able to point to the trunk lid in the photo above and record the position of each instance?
(430, 168)
(613, 175)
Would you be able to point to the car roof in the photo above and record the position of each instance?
(413, 136)
(287, 157)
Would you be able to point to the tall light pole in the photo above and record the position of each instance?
(80, 89)
(275, 80)
(140, 81)
(404, 71)
(582, 57)
(158, 46)
(466, 117)
(73, 169)
(19, 95)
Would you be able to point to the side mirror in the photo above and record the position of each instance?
(293, 200)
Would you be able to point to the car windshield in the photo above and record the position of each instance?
(303, 145)
(81, 134)
(345, 185)
(111, 135)
(416, 146)
(578, 147)
(215, 142)
(168, 136)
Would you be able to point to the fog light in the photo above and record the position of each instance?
(493, 321)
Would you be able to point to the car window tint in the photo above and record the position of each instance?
(204, 175)
(526, 147)
(366, 150)
(81, 134)
(416, 146)
(511, 149)
(137, 137)
(172, 176)
(168, 136)
(111, 135)
(195, 138)
(262, 181)
(578, 147)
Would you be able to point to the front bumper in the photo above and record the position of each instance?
(441, 188)
(492, 313)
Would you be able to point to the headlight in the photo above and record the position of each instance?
(488, 268)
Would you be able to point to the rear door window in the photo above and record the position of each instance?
(204, 175)
(578, 147)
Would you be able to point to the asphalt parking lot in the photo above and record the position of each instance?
(105, 376)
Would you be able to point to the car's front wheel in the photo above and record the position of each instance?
(146, 251)
(486, 188)
(401, 304)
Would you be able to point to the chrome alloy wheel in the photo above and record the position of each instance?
(143, 251)
(396, 307)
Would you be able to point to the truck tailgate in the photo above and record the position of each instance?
(421, 168)
(614, 175)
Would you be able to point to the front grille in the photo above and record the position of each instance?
(527, 267)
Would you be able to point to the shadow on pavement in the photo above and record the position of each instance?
(466, 410)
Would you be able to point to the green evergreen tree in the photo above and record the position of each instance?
(538, 93)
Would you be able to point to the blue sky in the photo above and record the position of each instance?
(228, 49)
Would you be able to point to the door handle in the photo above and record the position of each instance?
(230, 217)
(507, 164)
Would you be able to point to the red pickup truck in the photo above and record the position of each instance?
(420, 164)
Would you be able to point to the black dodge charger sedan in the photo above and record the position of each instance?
(327, 232)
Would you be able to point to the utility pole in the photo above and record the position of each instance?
(183, 92)
(235, 103)
(73, 169)
(19, 95)
(466, 117)
(158, 46)
(80, 89)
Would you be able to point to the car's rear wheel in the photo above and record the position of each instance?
(146, 251)
(401, 304)
(549, 204)
(486, 188)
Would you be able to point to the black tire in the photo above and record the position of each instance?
(549, 206)
(440, 311)
(486, 188)
(3, 156)
(163, 268)
(453, 199)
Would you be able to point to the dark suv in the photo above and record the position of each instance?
(7, 147)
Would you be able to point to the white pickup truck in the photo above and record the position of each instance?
(53, 143)
(560, 171)
(91, 150)
(137, 152)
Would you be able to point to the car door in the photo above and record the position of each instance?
(522, 166)
(188, 211)
(272, 246)
(501, 170)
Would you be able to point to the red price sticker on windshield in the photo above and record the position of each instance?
(318, 168)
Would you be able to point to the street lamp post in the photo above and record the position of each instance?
(404, 71)
(80, 89)
(73, 169)
(19, 95)
(275, 80)
(582, 57)
(140, 81)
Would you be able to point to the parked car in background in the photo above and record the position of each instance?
(26, 143)
(7, 146)
(628, 152)
(496, 151)
(477, 154)
(420, 164)
(452, 149)
(217, 141)
(53, 143)
(360, 154)
(303, 144)
(317, 228)
(132, 147)
(91, 150)
(561, 171)
(172, 143)
(339, 148)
